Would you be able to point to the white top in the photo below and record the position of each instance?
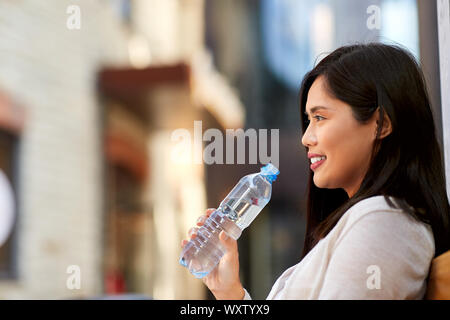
(373, 252)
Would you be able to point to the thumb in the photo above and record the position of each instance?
(228, 242)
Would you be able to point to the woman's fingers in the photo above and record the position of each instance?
(192, 233)
(229, 243)
(201, 220)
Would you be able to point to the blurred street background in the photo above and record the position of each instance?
(88, 108)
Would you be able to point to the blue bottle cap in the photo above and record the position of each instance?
(270, 172)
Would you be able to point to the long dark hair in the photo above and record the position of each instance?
(407, 164)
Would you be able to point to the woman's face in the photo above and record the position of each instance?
(334, 133)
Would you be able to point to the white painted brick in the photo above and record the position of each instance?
(51, 71)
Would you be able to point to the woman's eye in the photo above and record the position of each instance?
(317, 118)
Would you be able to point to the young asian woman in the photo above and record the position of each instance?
(378, 211)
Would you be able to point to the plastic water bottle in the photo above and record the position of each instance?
(235, 213)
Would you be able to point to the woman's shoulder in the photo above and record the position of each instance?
(375, 213)
(373, 234)
(376, 204)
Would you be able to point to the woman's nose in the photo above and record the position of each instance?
(309, 138)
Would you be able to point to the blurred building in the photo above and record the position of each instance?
(93, 181)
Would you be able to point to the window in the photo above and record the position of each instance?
(296, 33)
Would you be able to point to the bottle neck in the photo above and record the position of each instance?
(269, 177)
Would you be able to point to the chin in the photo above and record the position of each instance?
(322, 184)
(318, 183)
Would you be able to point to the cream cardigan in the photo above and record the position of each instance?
(373, 252)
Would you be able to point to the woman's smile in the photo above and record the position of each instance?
(316, 160)
(316, 164)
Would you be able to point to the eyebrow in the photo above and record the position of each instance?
(314, 109)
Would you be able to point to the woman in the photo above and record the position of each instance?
(378, 211)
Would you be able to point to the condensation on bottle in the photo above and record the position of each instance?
(235, 213)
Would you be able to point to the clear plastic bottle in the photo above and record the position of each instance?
(235, 213)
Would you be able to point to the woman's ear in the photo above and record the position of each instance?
(386, 128)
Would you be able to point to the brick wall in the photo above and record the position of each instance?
(51, 71)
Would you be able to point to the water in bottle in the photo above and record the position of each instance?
(235, 213)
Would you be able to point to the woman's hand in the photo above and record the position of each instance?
(224, 280)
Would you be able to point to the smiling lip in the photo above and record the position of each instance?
(315, 165)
